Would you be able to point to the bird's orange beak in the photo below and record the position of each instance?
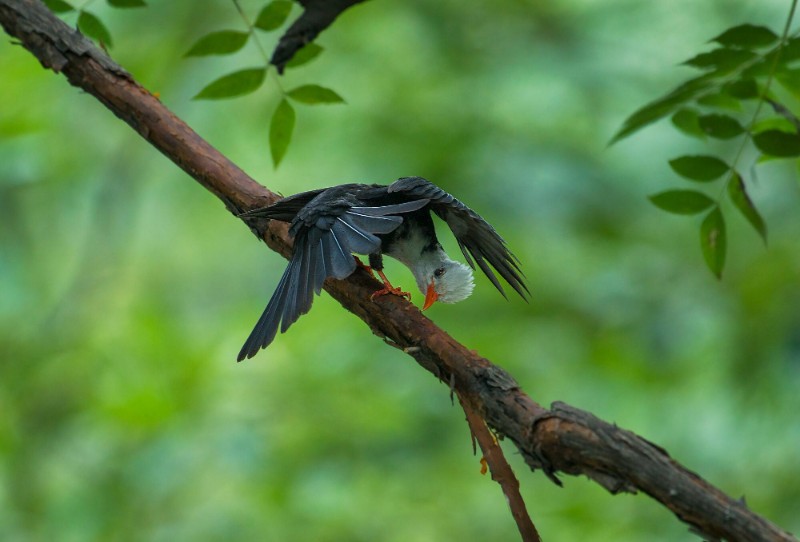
(430, 297)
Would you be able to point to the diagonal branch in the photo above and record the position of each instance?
(561, 439)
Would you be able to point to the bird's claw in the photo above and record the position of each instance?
(389, 289)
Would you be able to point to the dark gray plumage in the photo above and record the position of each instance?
(330, 224)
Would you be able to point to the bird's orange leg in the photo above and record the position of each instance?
(365, 267)
(388, 288)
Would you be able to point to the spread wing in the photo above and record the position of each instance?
(477, 239)
(327, 230)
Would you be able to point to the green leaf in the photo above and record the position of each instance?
(273, 15)
(223, 42)
(790, 50)
(699, 168)
(94, 28)
(234, 84)
(723, 60)
(778, 143)
(713, 241)
(773, 123)
(305, 55)
(682, 202)
(790, 80)
(58, 6)
(662, 107)
(747, 36)
(280, 130)
(720, 126)
(720, 100)
(686, 120)
(759, 68)
(742, 89)
(738, 194)
(127, 3)
(314, 94)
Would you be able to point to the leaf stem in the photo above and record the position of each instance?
(259, 46)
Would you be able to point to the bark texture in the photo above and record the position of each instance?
(560, 439)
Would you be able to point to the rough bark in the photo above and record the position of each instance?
(560, 439)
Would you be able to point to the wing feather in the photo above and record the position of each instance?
(267, 327)
(397, 208)
(372, 224)
(356, 240)
(284, 209)
(341, 261)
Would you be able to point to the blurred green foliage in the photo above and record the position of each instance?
(759, 86)
(126, 291)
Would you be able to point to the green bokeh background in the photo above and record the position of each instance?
(126, 290)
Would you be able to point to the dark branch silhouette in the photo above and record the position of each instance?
(561, 439)
(317, 16)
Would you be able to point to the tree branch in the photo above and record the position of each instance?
(561, 439)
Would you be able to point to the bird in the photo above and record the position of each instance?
(329, 225)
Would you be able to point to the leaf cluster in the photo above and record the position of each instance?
(271, 17)
(726, 103)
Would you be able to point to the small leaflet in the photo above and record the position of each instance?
(738, 194)
(701, 168)
(93, 27)
(778, 143)
(682, 202)
(223, 42)
(713, 241)
(234, 84)
(747, 36)
(280, 130)
(273, 15)
(314, 94)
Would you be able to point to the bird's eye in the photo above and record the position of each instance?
(439, 272)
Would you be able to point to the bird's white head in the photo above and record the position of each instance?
(442, 279)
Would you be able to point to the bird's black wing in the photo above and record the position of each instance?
(477, 239)
(327, 230)
(285, 209)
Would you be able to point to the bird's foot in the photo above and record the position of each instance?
(389, 289)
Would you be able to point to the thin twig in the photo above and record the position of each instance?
(501, 472)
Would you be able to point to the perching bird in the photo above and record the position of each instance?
(330, 224)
